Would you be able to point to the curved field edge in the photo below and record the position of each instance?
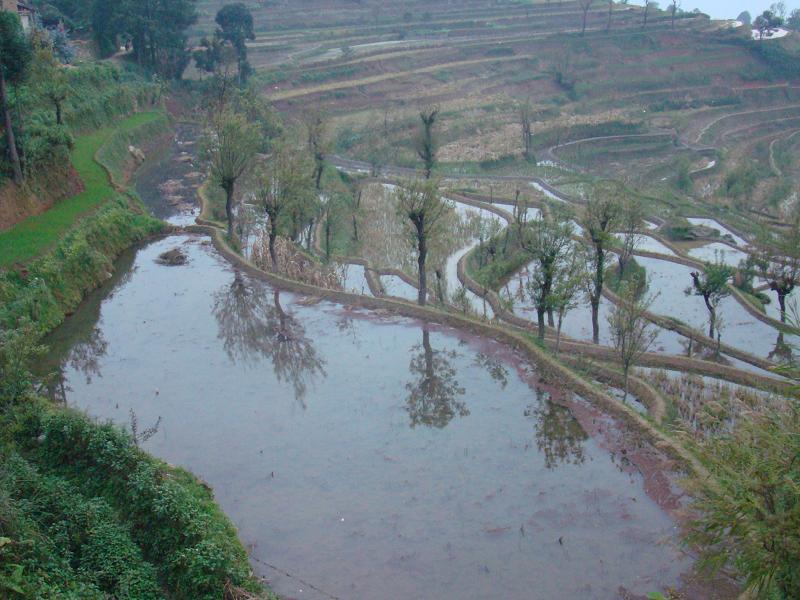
(550, 367)
(33, 236)
(75, 493)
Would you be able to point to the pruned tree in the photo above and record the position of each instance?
(712, 286)
(631, 332)
(766, 22)
(426, 140)
(568, 288)
(284, 180)
(548, 241)
(229, 144)
(601, 217)
(15, 55)
(236, 27)
(673, 9)
(316, 126)
(585, 6)
(48, 75)
(215, 56)
(778, 260)
(420, 202)
(648, 4)
(526, 121)
(630, 227)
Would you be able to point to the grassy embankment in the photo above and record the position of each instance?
(84, 513)
(31, 237)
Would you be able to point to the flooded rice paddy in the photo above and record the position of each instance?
(373, 457)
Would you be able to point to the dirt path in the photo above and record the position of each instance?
(772, 164)
(710, 124)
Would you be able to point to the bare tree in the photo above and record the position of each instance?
(316, 126)
(631, 332)
(229, 144)
(712, 286)
(548, 240)
(632, 217)
(778, 260)
(610, 14)
(647, 5)
(426, 141)
(567, 288)
(673, 9)
(421, 203)
(600, 218)
(585, 5)
(526, 120)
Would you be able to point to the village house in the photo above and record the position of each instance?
(25, 11)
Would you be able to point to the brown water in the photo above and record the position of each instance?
(370, 457)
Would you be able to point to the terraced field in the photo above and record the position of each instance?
(689, 93)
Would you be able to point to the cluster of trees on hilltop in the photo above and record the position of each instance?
(155, 30)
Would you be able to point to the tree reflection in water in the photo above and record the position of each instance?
(84, 357)
(433, 394)
(253, 328)
(493, 367)
(559, 436)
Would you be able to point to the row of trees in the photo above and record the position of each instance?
(155, 29)
(586, 5)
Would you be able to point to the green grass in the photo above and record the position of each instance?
(29, 238)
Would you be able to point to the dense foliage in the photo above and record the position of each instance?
(156, 30)
(751, 507)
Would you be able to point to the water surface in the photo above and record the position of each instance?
(373, 457)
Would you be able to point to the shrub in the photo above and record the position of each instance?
(172, 518)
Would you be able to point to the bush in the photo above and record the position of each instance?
(678, 229)
(81, 533)
(172, 518)
(56, 283)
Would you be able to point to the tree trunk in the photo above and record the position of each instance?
(600, 263)
(595, 302)
(439, 289)
(423, 255)
(583, 29)
(273, 234)
(59, 120)
(558, 332)
(318, 174)
(328, 238)
(782, 304)
(625, 384)
(228, 187)
(355, 228)
(712, 320)
(646, 10)
(10, 140)
(540, 320)
(610, 12)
